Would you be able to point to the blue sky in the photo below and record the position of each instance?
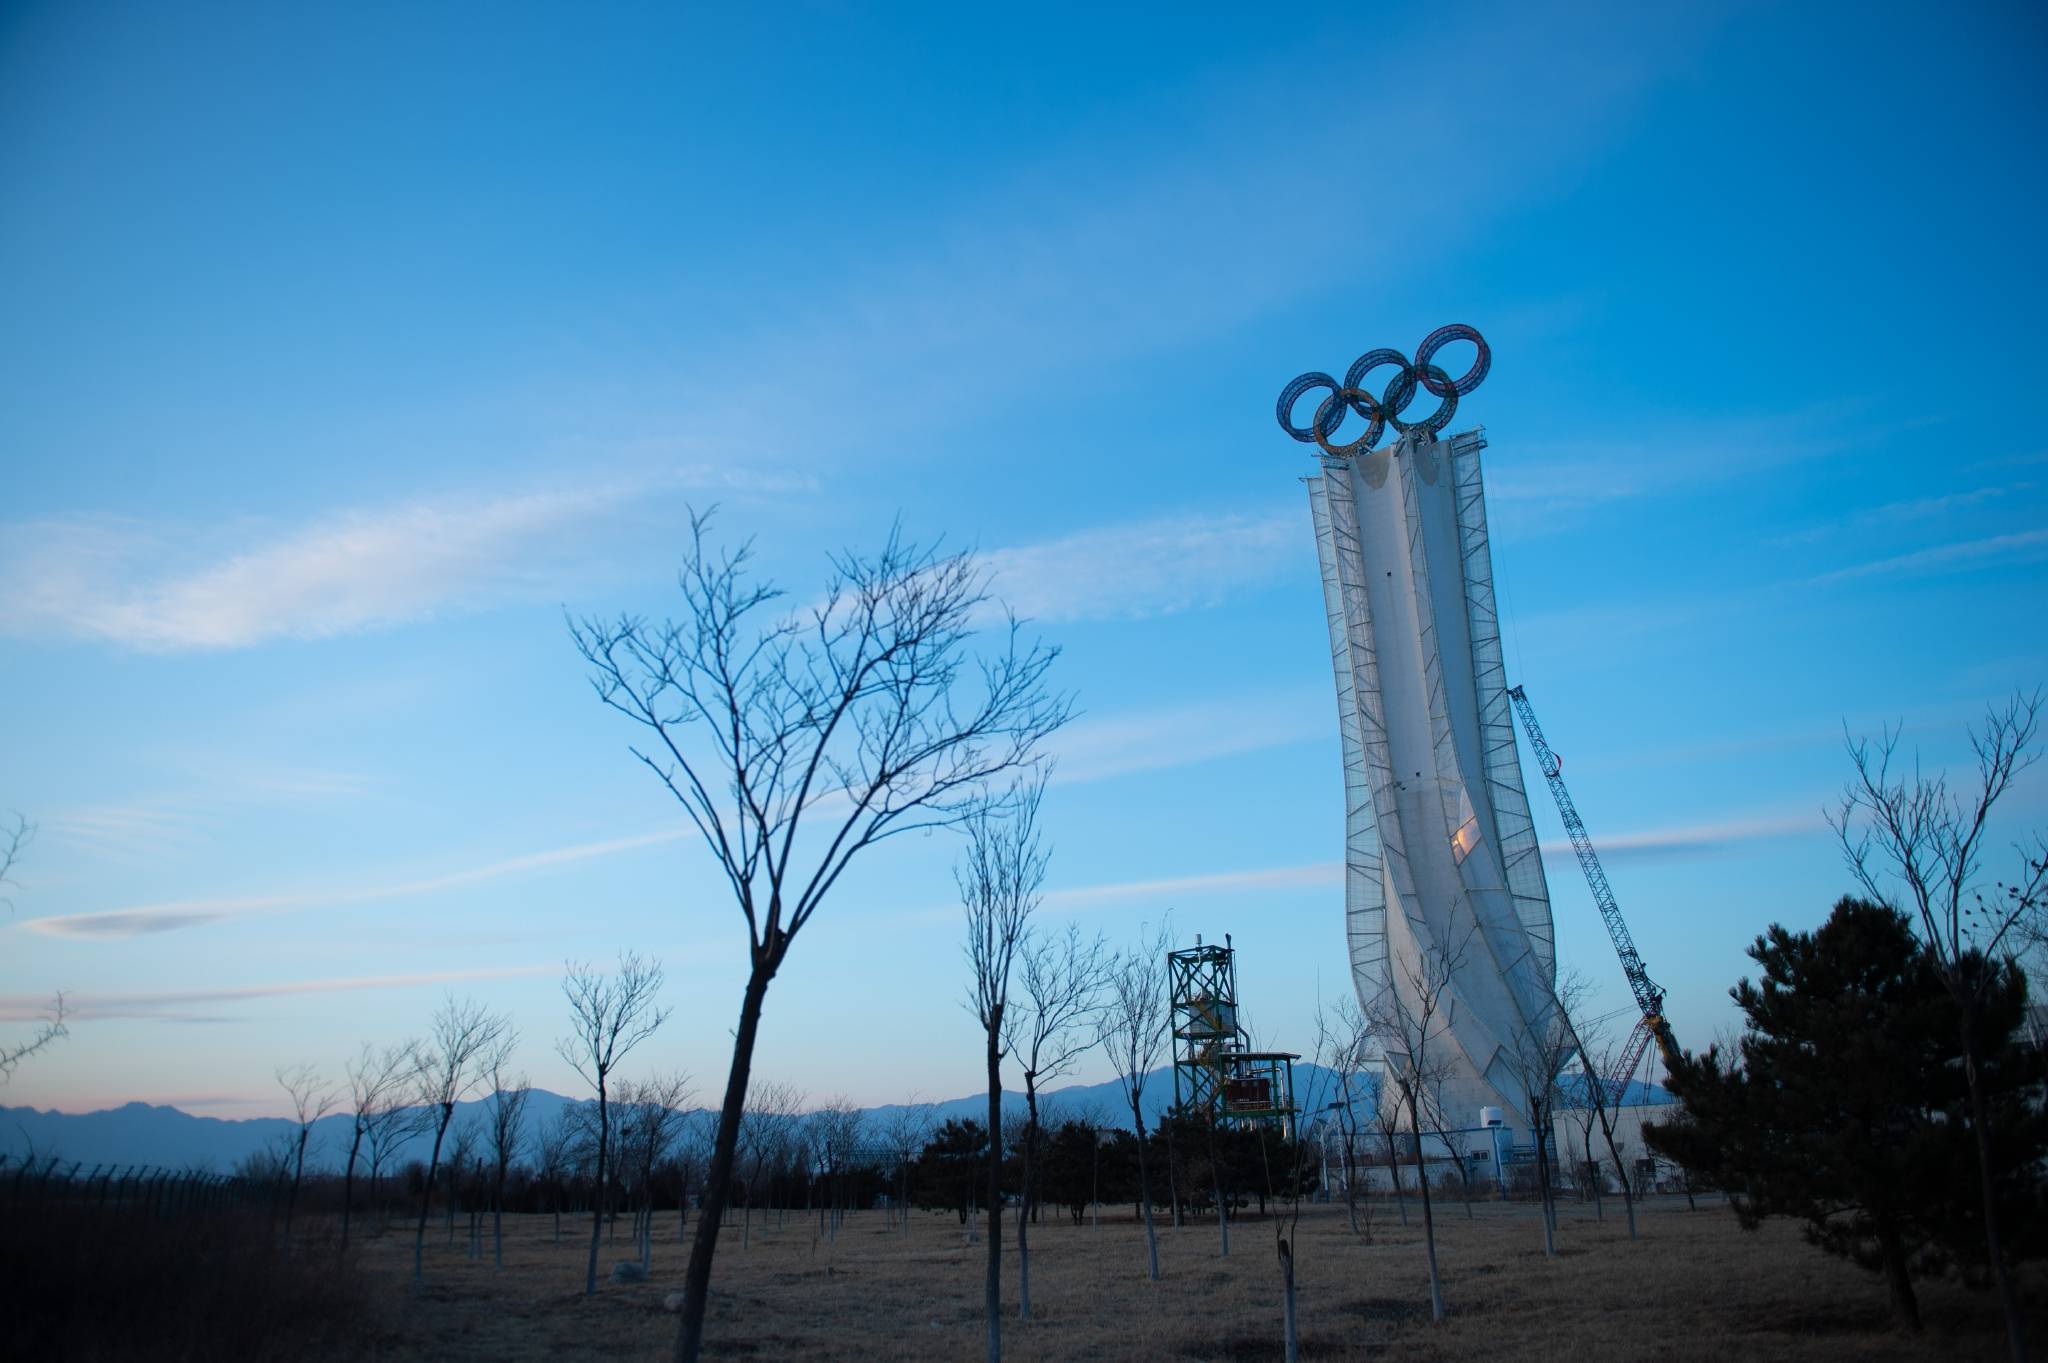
(344, 350)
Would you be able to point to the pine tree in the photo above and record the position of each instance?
(1845, 1105)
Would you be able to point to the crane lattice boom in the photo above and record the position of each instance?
(1649, 998)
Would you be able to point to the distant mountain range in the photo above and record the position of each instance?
(139, 1133)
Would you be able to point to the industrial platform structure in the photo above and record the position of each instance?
(1439, 845)
(1213, 1072)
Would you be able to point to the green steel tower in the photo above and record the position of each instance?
(1213, 1072)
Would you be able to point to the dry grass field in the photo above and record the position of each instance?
(1695, 1287)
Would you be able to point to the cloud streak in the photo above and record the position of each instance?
(367, 568)
(178, 1004)
(1723, 835)
(1152, 567)
(1719, 836)
(185, 913)
(2023, 546)
(1100, 749)
(1124, 245)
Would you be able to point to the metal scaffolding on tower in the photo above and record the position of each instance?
(1213, 1070)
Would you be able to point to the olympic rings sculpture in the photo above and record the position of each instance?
(1386, 409)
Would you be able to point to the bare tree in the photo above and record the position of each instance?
(1542, 1048)
(1916, 843)
(657, 1122)
(376, 1087)
(905, 1133)
(765, 1132)
(1286, 1224)
(608, 1016)
(689, 1154)
(463, 1148)
(509, 1097)
(856, 713)
(1386, 1122)
(1321, 1086)
(834, 1132)
(391, 1123)
(1000, 878)
(311, 1099)
(552, 1160)
(1132, 1032)
(14, 837)
(1606, 1090)
(1343, 1044)
(1411, 1019)
(446, 1068)
(1050, 1030)
(1585, 1113)
(1436, 1117)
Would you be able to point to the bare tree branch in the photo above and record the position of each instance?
(796, 740)
(609, 1015)
(1132, 1030)
(1911, 836)
(447, 1068)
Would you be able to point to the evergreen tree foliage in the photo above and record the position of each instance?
(1845, 1105)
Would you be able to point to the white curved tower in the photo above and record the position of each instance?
(1439, 846)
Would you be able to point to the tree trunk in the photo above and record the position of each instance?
(2001, 1277)
(498, 1220)
(1291, 1336)
(292, 1202)
(1436, 1292)
(603, 1187)
(1350, 1183)
(1145, 1196)
(1216, 1182)
(1394, 1169)
(1593, 1172)
(718, 1178)
(1543, 1195)
(1024, 1193)
(1898, 1285)
(348, 1186)
(1173, 1170)
(1628, 1195)
(992, 1288)
(1095, 1182)
(419, 1238)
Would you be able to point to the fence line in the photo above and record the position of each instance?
(137, 1188)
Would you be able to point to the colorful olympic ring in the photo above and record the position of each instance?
(1385, 410)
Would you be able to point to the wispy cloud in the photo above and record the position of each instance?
(146, 587)
(1172, 735)
(1311, 875)
(186, 913)
(1721, 835)
(1571, 476)
(158, 827)
(2024, 546)
(1903, 512)
(1149, 567)
(1692, 839)
(141, 830)
(1093, 749)
(178, 1005)
(1127, 244)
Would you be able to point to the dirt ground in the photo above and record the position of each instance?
(1694, 1287)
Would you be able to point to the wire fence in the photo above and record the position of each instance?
(124, 1188)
